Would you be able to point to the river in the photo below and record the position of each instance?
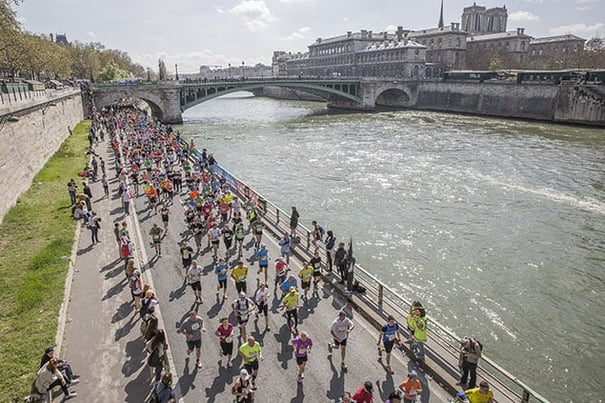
(497, 225)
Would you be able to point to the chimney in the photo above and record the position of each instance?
(318, 40)
(349, 34)
(520, 31)
(385, 35)
(370, 34)
(453, 28)
(364, 34)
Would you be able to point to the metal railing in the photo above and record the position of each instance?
(388, 300)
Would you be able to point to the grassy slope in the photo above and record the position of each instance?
(36, 238)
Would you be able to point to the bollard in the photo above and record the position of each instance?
(276, 216)
(380, 296)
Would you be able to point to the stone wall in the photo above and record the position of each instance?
(27, 144)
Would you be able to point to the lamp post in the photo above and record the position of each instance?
(229, 71)
(243, 71)
(176, 72)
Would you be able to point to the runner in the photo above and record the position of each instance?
(186, 254)
(164, 213)
(225, 335)
(290, 303)
(281, 269)
(242, 389)
(261, 299)
(238, 274)
(242, 307)
(240, 233)
(302, 348)
(284, 246)
(305, 274)
(316, 264)
(340, 329)
(192, 328)
(389, 334)
(257, 229)
(251, 352)
(194, 279)
(221, 275)
(214, 236)
(228, 240)
(156, 237)
(329, 242)
(411, 387)
(263, 259)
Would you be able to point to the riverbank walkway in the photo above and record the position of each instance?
(104, 345)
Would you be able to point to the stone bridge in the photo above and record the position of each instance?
(169, 99)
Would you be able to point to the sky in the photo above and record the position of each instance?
(217, 33)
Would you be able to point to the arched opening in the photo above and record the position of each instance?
(393, 98)
(141, 102)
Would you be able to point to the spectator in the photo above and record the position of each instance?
(482, 394)
(50, 376)
(364, 393)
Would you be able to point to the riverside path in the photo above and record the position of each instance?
(103, 342)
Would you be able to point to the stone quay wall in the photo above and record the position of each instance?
(27, 144)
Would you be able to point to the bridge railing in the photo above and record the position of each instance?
(387, 299)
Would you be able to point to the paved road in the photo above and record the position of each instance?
(104, 344)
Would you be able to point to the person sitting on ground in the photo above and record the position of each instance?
(482, 394)
(50, 376)
(63, 365)
(162, 389)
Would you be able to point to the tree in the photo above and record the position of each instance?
(594, 44)
(112, 72)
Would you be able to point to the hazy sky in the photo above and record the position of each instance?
(200, 32)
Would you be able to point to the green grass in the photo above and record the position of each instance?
(36, 238)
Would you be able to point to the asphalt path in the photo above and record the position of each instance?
(103, 341)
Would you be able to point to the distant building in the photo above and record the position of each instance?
(60, 39)
(480, 41)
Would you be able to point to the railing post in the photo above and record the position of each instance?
(525, 397)
(308, 239)
(380, 296)
(277, 216)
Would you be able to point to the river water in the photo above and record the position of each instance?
(498, 226)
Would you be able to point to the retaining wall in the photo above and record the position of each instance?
(26, 144)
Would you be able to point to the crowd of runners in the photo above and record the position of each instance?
(154, 163)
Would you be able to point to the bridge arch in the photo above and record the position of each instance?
(393, 97)
(112, 98)
(193, 95)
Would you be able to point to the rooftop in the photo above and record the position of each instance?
(498, 35)
(558, 38)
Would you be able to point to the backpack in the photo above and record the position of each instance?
(477, 343)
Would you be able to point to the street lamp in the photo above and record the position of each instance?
(243, 71)
(176, 71)
(229, 71)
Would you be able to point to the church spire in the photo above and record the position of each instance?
(441, 16)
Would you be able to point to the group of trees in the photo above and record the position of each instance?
(27, 55)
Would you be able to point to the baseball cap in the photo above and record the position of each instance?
(242, 294)
(368, 386)
(262, 245)
(292, 289)
(244, 374)
(413, 374)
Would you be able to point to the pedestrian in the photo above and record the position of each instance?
(261, 299)
(214, 237)
(240, 233)
(306, 274)
(105, 185)
(192, 328)
(156, 348)
(411, 387)
(136, 288)
(72, 188)
(329, 242)
(238, 274)
(194, 279)
(288, 283)
(251, 353)
(284, 247)
(317, 234)
(470, 352)
(417, 324)
(228, 240)
(257, 229)
(364, 393)
(262, 254)
(389, 335)
(340, 329)
(242, 307)
(186, 254)
(220, 268)
(242, 389)
(95, 168)
(127, 196)
(88, 192)
(156, 238)
(482, 394)
(162, 390)
(345, 398)
(290, 304)
(302, 348)
(394, 397)
(94, 223)
(340, 261)
(294, 216)
(225, 335)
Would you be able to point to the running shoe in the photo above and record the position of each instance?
(330, 347)
(198, 363)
